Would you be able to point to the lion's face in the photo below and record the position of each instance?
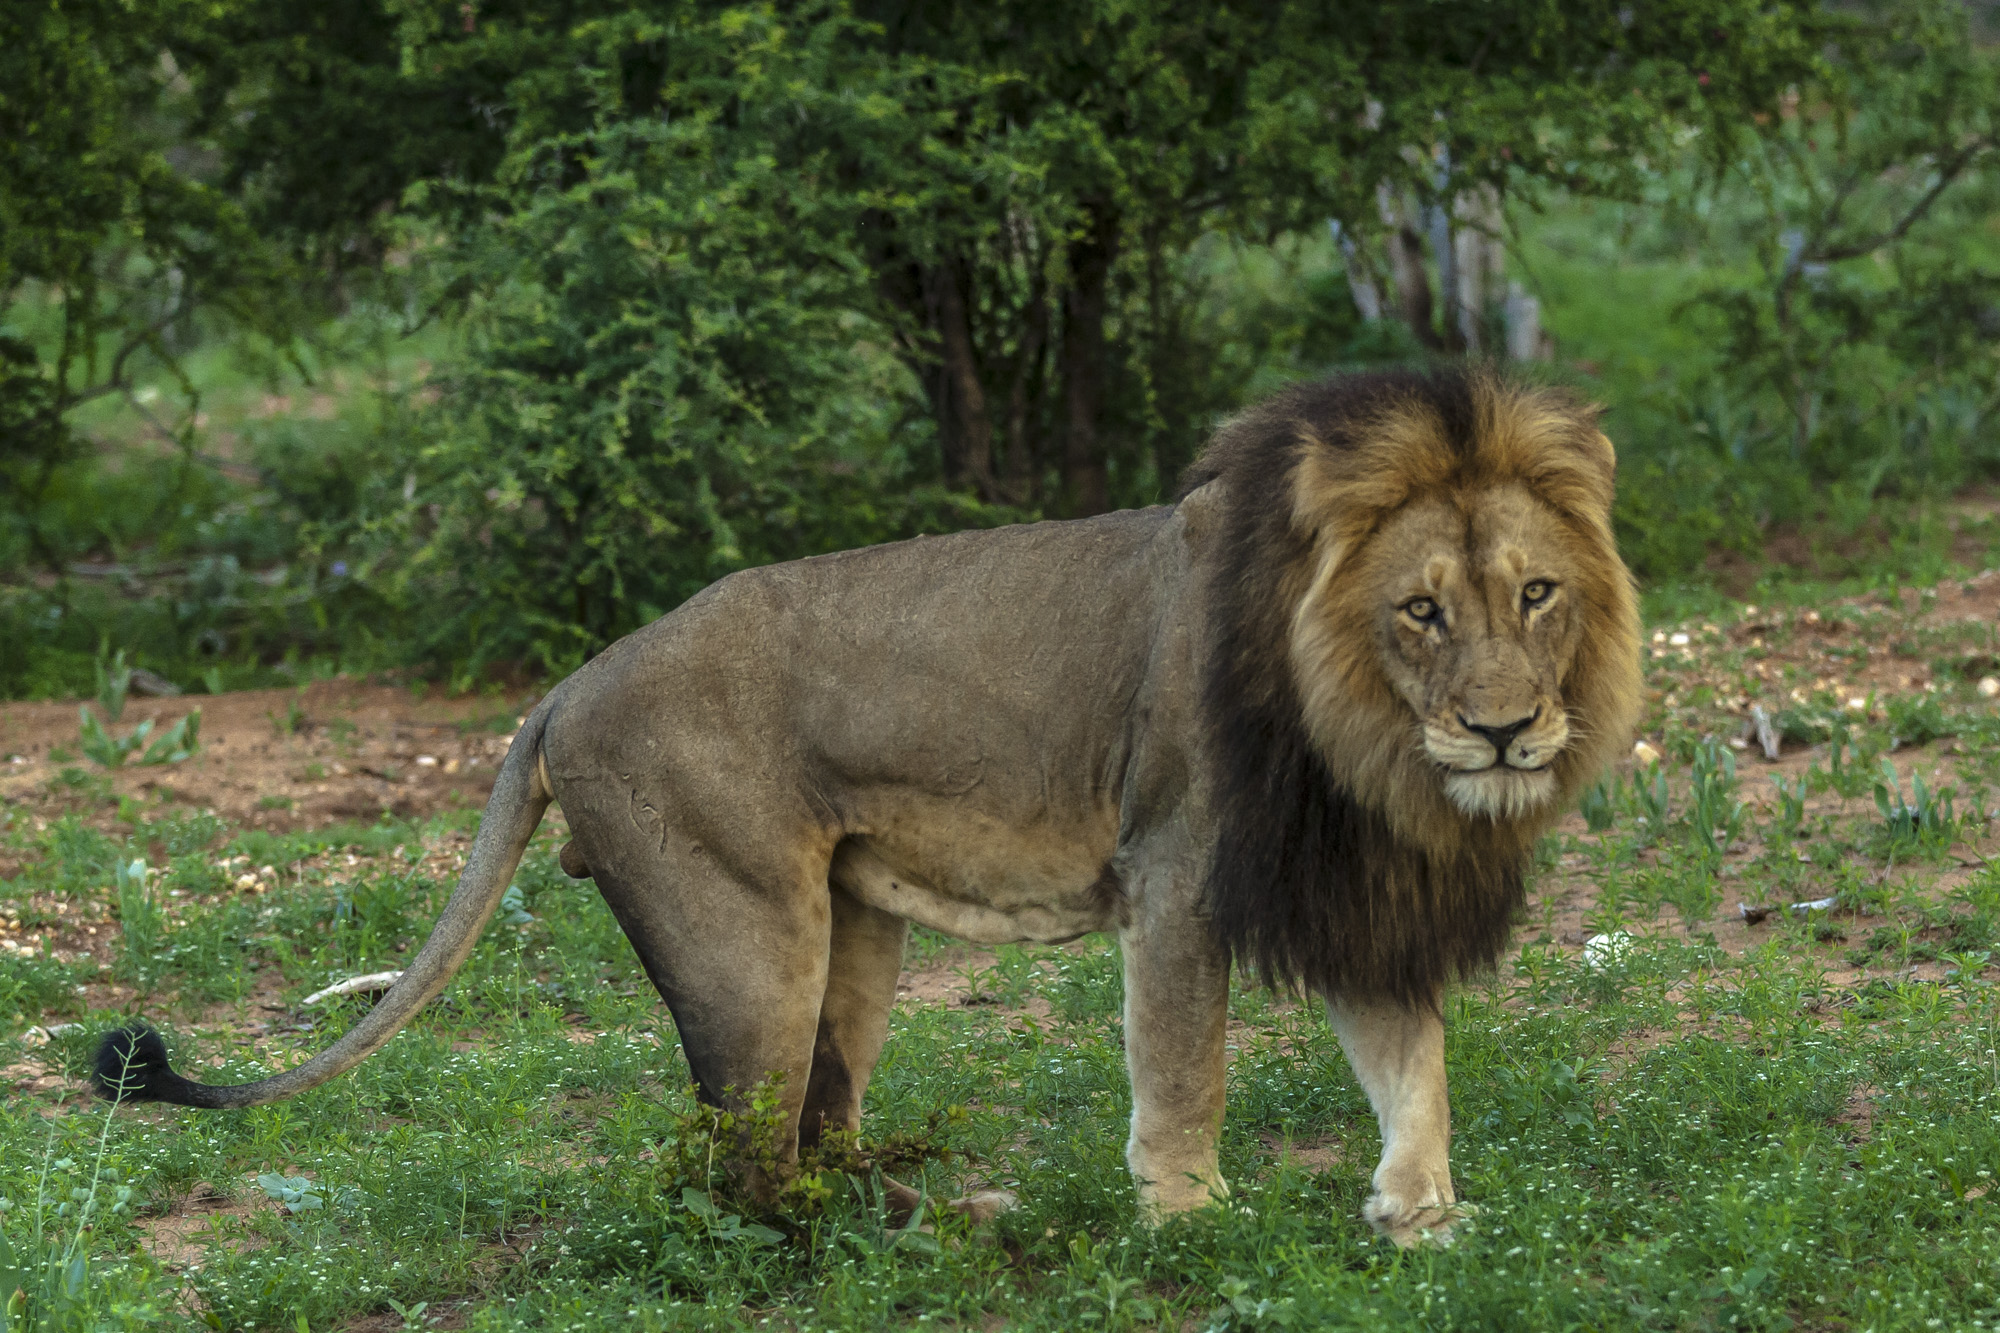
(1476, 627)
(1464, 639)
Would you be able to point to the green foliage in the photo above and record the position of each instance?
(1924, 818)
(1714, 812)
(1636, 1126)
(1818, 278)
(110, 249)
(1647, 798)
(1596, 807)
(665, 379)
(51, 1281)
(177, 743)
(296, 1193)
(1791, 812)
(142, 923)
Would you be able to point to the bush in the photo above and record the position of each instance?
(664, 378)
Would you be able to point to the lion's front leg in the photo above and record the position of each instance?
(1176, 1014)
(1398, 1055)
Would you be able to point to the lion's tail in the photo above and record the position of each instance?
(132, 1061)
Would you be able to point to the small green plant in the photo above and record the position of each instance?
(872, 1225)
(1927, 816)
(171, 747)
(142, 948)
(1595, 807)
(1850, 759)
(514, 908)
(298, 1194)
(413, 1316)
(1648, 797)
(1791, 812)
(1714, 812)
(725, 1228)
(1919, 719)
(293, 720)
(114, 682)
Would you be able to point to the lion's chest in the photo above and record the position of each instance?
(969, 874)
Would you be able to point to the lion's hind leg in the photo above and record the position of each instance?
(864, 958)
(742, 965)
(1398, 1056)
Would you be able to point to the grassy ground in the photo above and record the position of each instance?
(1670, 1117)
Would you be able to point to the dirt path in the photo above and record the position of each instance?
(275, 759)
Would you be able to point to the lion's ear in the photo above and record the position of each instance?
(1200, 511)
(1319, 491)
(1610, 453)
(1339, 493)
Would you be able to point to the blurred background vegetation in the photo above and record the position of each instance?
(459, 338)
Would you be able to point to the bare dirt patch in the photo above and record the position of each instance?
(276, 759)
(197, 1222)
(945, 978)
(1315, 1155)
(1857, 1116)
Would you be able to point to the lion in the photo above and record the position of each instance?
(1308, 719)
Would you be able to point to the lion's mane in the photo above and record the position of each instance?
(1341, 867)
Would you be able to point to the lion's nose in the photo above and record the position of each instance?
(1502, 736)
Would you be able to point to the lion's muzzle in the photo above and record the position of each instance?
(1498, 767)
(1501, 738)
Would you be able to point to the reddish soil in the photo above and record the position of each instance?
(277, 759)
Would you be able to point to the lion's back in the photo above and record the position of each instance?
(987, 651)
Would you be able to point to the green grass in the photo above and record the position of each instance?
(1677, 1136)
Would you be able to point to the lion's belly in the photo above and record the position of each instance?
(979, 879)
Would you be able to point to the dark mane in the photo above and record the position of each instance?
(1308, 885)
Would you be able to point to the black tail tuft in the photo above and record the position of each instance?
(132, 1066)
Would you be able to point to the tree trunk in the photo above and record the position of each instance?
(1020, 476)
(1086, 480)
(1479, 261)
(966, 431)
(1406, 264)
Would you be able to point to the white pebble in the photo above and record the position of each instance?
(1600, 950)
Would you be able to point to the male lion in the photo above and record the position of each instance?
(1313, 715)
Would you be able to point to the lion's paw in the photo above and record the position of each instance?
(983, 1206)
(1159, 1200)
(979, 1207)
(1428, 1220)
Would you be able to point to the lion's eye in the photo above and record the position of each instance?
(1537, 592)
(1423, 610)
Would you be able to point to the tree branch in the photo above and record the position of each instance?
(1948, 172)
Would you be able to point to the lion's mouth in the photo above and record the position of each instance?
(1500, 791)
